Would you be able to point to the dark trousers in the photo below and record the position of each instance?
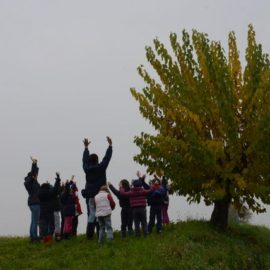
(126, 221)
(90, 229)
(139, 216)
(155, 213)
(46, 225)
(75, 221)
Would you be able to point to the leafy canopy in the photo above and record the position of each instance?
(212, 119)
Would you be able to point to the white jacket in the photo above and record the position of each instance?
(103, 204)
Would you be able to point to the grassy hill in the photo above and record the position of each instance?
(185, 245)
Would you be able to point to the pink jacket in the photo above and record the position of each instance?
(137, 196)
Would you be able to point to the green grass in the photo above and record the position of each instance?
(185, 245)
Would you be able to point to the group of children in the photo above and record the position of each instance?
(55, 209)
(133, 200)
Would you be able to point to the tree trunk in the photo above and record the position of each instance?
(219, 217)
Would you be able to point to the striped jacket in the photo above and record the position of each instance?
(137, 196)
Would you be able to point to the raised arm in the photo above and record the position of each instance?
(32, 175)
(114, 190)
(86, 153)
(57, 184)
(106, 160)
(144, 184)
(34, 168)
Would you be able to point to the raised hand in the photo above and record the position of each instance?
(86, 142)
(34, 160)
(109, 140)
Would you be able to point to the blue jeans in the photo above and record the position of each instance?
(105, 223)
(92, 210)
(35, 212)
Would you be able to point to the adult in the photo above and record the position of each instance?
(95, 178)
(32, 186)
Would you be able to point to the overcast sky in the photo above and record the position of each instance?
(66, 68)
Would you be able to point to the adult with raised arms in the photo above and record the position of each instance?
(95, 173)
(32, 186)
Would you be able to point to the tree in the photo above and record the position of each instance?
(211, 121)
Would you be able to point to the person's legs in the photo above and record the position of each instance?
(43, 227)
(67, 226)
(151, 219)
(159, 218)
(50, 223)
(108, 224)
(129, 221)
(96, 225)
(144, 220)
(74, 225)
(136, 218)
(91, 218)
(165, 216)
(101, 221)
(87, 206)
(124, 221)
(62, 223)
(57, 223)
(35, 214)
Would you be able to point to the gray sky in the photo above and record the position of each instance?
(66, 68)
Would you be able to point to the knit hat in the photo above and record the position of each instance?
(137, 183)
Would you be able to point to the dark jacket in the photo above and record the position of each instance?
(67, 201)
(157, 195)
(47, 194)
(95, 173)
(123, 200)
(56, 195)
(32, 185)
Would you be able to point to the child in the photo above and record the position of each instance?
(104, 205)
(68, 209)
(46, 197)
(78, 209)
(137, 198)
(57, 209)
(155, 201)
(126, 211)
(165, 216)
